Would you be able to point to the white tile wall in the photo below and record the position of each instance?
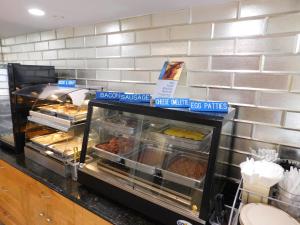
(247, 55)
(136, 23)
(96, 63)
(215, 12)
(215, 47)
(21, 39)
(194, 31)
(282, 63)
(194, 63)
(292, 120)
(267, 45)
(137, 76)
(48, 35)
(84, 30)
(239, 28)
(259, 8)
(109, 75)
(106, 52)
(107, 27)
(122, 38)
(235, 62)
(50, 54)
(124, 63)
(153, 63)
(170, 18)
(57, 44)
(75, 42)
(263, 81)
(94, 41)
(169, 48)
(41, 46)
(161, 34)
(209, 79)
(33, 37)
(284, 23)
(136, 50)
(65, 32)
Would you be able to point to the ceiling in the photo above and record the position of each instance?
(15, 20)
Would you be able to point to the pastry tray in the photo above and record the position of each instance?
(79, 117)
(64, 154)
(36, 142)
(184, 143)
(51, 121)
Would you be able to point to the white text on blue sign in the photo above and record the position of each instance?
(67, 83)
(172, 102)
(137, 98)
(102, 95)
(203, 106)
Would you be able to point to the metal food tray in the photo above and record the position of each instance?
(79, 117)
(47, 111)
(66, 154)
(182, 142)
(180, 179)
(145, 168)
(35, 140)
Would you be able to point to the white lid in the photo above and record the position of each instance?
(261, 214)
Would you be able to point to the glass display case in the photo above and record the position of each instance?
(55, 127)
(6, 125)
(14, 111)
(161, 162)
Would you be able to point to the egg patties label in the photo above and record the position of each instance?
(203, 106)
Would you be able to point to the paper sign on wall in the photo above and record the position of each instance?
(168, 79)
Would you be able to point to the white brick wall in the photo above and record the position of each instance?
(245, 52)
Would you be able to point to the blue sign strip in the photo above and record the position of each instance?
(67, 83)
(172, 102)
(135, 98)
(202, 106)
(102, 95)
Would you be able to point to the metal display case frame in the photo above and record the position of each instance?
(21, 76)
(149, 207)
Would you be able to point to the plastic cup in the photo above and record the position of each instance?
(259, 193)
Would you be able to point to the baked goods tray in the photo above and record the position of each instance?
(46, 152)
(184, 143)
(37, 140)
(50, 121)
(66, 149)
(79, 117)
